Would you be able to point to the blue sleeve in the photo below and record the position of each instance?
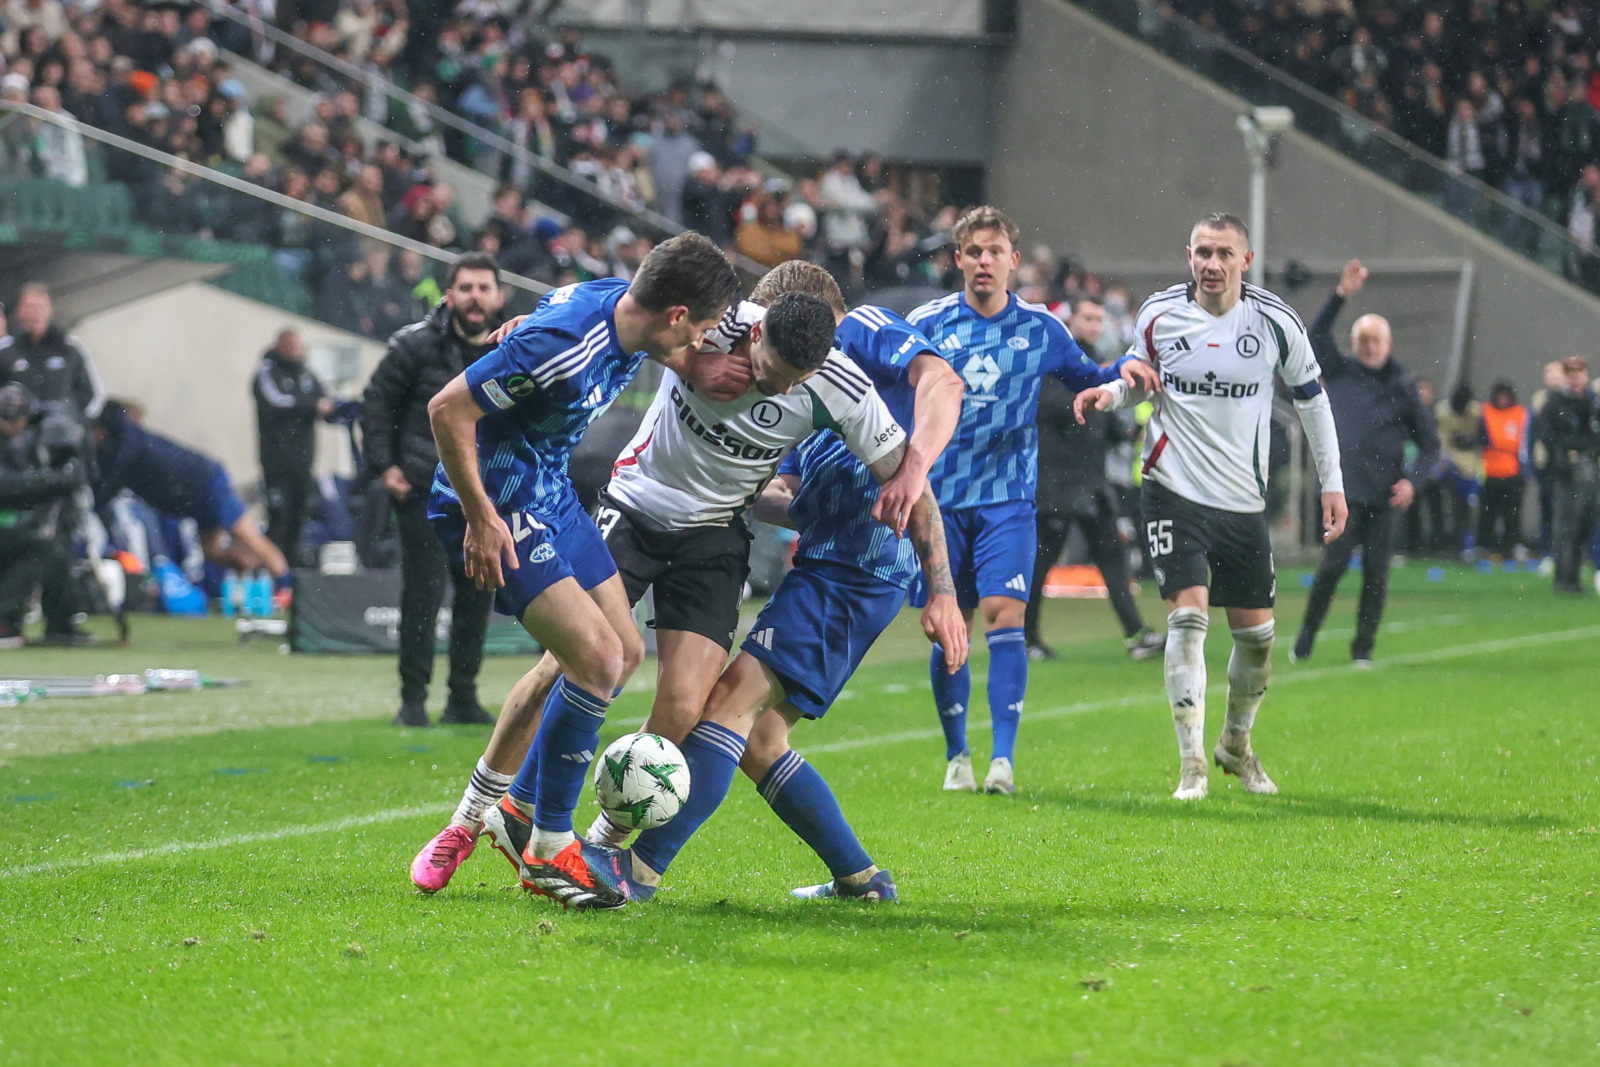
(1068, 362)
(530, 360)
(882, 342)
(791, 462)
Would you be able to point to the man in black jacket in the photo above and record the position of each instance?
(289, 400)
(421, 359)
(1569, 426)
(49, 361)
(36, 488)
(1377, 410)
(54, 367)
(1073, 491)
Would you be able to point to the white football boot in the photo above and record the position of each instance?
(1001, 778)
(1245, 765)
(958, 775)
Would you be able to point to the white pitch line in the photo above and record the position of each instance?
(132, 854)
(1409, 659)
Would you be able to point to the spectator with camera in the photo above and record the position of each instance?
(58, 373)
(41, 469)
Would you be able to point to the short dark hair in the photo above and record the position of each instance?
(686, 271)
(1222, 220)
(800, 328)
(798, 276)
(475, 261)
(1078, 302)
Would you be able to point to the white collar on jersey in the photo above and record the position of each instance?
(734, 326)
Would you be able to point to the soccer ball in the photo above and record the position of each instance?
(641, 781)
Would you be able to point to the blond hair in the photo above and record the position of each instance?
(984, 218)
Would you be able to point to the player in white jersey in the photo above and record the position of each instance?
(672, 518)
(1217, 342)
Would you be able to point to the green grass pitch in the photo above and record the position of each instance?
(221, 877)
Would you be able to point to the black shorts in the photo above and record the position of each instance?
(698, 574)
(1192, 544)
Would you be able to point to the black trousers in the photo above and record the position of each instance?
(1099, 528)
(1575, 501)
(424, 570)
(29, 560)
(1371, 527)
(287, 488)
(1499, 515)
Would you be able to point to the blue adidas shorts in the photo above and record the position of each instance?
(550, 547)
(991, 552)
(816, 628)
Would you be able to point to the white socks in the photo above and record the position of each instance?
(1186, 678)
(1248, 669)
(484, 790)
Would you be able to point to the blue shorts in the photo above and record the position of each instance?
(816, 628)
(221, 507)
(550, 547)
(991, 552)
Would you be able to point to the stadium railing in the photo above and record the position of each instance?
(1486, 209)
(645, 220)
(79, 210)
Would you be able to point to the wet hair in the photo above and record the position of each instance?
(799, 328)
(686, 271)
(475, 261)
(1222, 220)
(799, 276)
(984, 218)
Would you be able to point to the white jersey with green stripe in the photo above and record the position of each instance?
(1208, 438)
(698, 462)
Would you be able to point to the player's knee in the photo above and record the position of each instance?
(1002, 613)
(632, 652)
(673, 718)
(600, 669)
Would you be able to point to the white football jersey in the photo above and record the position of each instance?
(696, 462)
(1208, 438)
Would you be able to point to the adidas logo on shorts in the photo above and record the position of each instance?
(1018, 584)
(763, 638)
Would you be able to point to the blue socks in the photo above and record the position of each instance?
(802, 799)
(951, 693)
(557, 764)
(712, 753)
(1008, 682)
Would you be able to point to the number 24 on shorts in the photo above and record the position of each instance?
(1159, 534)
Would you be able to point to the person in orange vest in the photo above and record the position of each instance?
(1504, 437)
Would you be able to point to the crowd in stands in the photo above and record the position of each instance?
(1504, 92)
(160, 76)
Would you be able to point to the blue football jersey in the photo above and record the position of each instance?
(833, 508)
(994, 455)
(540, 389)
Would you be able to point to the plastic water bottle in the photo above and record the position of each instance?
(14, 692)
(261, 595)
(230, 594)
(172, 681)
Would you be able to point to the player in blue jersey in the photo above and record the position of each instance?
(847, 584)
(504, 507)
(985, 480)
